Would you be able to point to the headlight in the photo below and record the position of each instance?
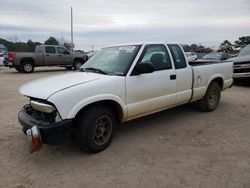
(41, 107)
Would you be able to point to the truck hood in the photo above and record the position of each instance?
(239, 59)
(45, 87)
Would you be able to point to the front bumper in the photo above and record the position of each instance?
(50, 133)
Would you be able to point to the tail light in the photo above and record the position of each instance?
(10, 56)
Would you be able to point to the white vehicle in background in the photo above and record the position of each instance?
(215, 57)
(191, 56)
(2, 55)
(118, 84)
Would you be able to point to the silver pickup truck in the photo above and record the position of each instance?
(44, 55)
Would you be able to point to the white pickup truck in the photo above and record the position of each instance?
(118, 84)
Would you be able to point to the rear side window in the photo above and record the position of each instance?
(38, 49)
(50, 50)
(178, 56)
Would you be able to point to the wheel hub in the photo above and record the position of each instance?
(102, 130)
(27, 67)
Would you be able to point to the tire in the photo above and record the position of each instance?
(68, 67)
(18, 69)
(96, 128)
(77, 64)
(211, 99)
(27, 67)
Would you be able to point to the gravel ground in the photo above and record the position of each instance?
(180, 147)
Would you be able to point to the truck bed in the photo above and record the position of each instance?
(204, 72)
(199, 63)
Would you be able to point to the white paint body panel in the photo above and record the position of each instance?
(137, 95)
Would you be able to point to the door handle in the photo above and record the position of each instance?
(47, 55)
(59, 55)
(173, 77)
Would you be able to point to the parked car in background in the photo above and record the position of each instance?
(242, 64)
(215, 56)
(3, 55)
(44, 55)
(118, 84)
(1, 58)
(79, 51)
(191, 56)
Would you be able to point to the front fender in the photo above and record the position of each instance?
(94, 99)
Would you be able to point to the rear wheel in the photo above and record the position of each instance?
(27, 67)
(77, 64)
(211, 99)
(96, 128)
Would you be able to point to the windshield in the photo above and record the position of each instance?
(245, 51)
(212, 56)
(112, 60)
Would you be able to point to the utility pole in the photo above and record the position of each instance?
(72, 41)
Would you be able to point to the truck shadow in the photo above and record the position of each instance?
(165, 120)
(39, 71)
(243, 83)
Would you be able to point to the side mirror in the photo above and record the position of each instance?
(144, 68)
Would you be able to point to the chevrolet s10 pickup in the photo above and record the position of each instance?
(118, 84)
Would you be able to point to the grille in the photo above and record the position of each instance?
(242, 70)
(50, 118)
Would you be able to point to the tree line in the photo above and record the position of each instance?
(225, 46)
(28, 46)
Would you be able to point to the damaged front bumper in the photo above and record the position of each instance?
(39, 131)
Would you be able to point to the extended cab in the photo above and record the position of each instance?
(44, 55)
(118, 84)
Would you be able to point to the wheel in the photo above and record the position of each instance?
(27, 67)
(95, 128)
(18, 69)
(68, 67)
(211, 99)
(77, 64)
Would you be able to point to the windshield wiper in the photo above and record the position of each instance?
(95, 70)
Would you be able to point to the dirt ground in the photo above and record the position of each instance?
(181, 147)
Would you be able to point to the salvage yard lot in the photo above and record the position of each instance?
(180, 147)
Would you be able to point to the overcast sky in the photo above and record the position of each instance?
(105, 22)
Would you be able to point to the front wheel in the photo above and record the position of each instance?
(211, 99)
(77, 64)
(96, 128)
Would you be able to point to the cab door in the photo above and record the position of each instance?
(154, 91)
(50, 56)
(184, 75)
(64, 56)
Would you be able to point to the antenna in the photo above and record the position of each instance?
(71, 25)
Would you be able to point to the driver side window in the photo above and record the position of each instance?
(61, 50)
(156, 55)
